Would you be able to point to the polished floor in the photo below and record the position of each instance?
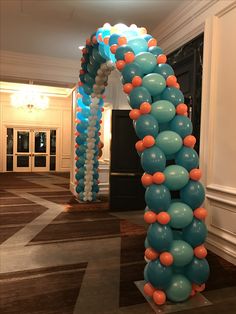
(62, 257)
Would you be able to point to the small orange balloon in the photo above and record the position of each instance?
(150, 217)
(190, 141)
(200, 213)
(139, 146)
(100, 38)
(151, 254)
(158, 178)
(146, 179)
(129, 57)
(113, 48)
(120, 64)
(148, 141)
(198, 288)
(145, 108)
(137, 81)
(163, 218)
(161, 59)
(192, 294)
(127, 88)
(159, 297)
(122, 40)
(200, 251)
(148, 289)
(152, 42)
(106, 40)
(171, 80)
(176, 85)
(134, 114)
(195, 174)
(166, 259)
(181, 109)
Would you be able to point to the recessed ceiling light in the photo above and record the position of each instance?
(81, 47)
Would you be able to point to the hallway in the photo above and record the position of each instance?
(59, 256)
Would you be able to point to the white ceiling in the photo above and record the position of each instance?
(57, 27)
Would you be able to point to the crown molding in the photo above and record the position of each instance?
(38, 67)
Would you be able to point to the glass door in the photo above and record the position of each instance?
(40, 150)
(22, 150)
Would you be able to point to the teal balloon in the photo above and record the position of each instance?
(145, 275)
(160, 237)
(198, 271)
(158, 275)
(163, 111)
(146, 243)
(182, 252)
(193, 194)
(187, 157)
(139, 95)
(154, 83)
(88, 89)
(176, 177)
(89, 79)
(92, 69)
(138, 45)
(80, 162)
(155, 50)
(146, 125)
(173, 95)
(130, 71)
(169, 142)
(195, 233)
(97, 56)
(181, 125)
(120, 52)
(164, 69)
(157, 198)
(181, 215)
(179, 288)
(147, 62)
(153, 160)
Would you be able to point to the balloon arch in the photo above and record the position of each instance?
(175, 254)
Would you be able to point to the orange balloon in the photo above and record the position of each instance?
(137, 81)
(192, 294)
(100, 38)
(146, 179)
(129, 57)
(148, 141)
(200, 213)
(127, 88)
(195, 174)
(198, 288)
(171, 80)
(120, 64)
(150, 217)
(161, 59)
(106, 40)
(163, 218)
(139, 146)
(113, 48)
(181, 109)
(148, 289)
(200, 251)
(159, 297)
(122, 40)
(190, 141)
(166, 259)
(158, 178)
(151, 254)
(145, 108)
(134, 114)
(176, 85)
(152, 42)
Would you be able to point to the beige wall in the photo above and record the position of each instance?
(57, 116)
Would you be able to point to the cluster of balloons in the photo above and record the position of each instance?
(175, 253)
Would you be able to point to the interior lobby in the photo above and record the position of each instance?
(75, 218)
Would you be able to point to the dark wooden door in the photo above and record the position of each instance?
(126, 190)
(187, 64)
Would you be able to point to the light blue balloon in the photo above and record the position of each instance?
(159, 275)
(164, 69)
(173, 95)
(146, 61)
(139, 95)
(179, 288)
(198, 271)
(154, 83)
(160, 237)
(176, 177)
(157, 198)
(182, 252)
(195, 233)
(138, 45)
(187, 157)
(193, 194)
(181, 125)
(163, 111)
(169, 142)
(146, 125)
(181, 215)
(153, 160)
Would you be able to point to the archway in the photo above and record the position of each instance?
(176, 266)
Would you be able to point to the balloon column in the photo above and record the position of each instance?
(175, 254)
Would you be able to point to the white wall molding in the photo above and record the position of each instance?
(38, 67)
